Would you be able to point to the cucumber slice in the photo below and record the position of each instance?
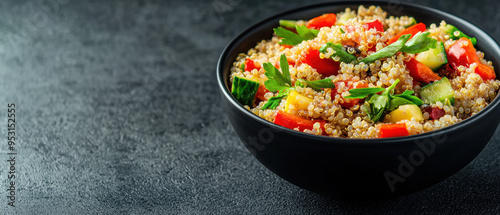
(433, 58)
(342, 20)
(438, 91)
(412, 22)
(288, 23)
(457, 34)
(244, 90)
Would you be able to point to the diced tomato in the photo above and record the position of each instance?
(421, 72)
(435, 112)
(292, 121)
(414, 29)
(393, 130)
(251, 65)
(287, 46)
(325, 20)
(463, 53)
(325, 66)
(261, 92)
(377, 25)
(343, 102)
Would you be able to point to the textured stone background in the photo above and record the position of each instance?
(118, 111)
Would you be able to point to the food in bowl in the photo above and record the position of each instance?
(361, 74)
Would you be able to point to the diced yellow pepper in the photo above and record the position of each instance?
(406, 112)
(297, 100)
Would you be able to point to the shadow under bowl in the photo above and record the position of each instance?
(371, 168)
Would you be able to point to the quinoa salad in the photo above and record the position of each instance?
(364, 74)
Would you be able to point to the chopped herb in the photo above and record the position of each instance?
(290, 38)
(338, 50)
(316, 85)
(377, 105)
(281, 82)
(419, 43)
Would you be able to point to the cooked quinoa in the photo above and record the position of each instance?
(471, 92)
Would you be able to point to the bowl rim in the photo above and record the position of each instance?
(357, 141)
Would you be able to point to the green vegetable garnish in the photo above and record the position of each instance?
(378, 105)
(316, 85)
(290, 38)
(419, 43)
(339, 51)
(281, 81)
(288, 23)
(456, 34)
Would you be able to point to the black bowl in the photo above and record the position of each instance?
(359, 167)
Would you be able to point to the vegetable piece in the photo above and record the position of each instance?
(406, 112)
(344, 17)
(421, 72)
(388, 51)
(393, 130)
(463, 53)
(435, 112)
(316, 85)
(339, 50)
(419, 43)
(413, 30)
(325, 20)
(298, 100)
(250, 65)
(244, 90)
(291, 121)
(325, 66)
(457, 34)
(433, 58)
(377, 105)
(288, 23)
(290, 38)
(349, 102)
(412, 22)
(438, 91)
(274, 101)
(377, 25)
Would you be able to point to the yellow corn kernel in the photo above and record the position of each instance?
(406, 112)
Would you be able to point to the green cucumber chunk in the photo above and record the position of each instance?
(342, 20)
(433, 58)
(457, 34)
(244, 90)
(412, 22)
(288, 23)
(438, 91)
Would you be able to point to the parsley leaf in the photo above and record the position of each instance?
(316, 85)
(338, 50)
(282, 82)
(389, 50)
(290, 38)
(377, 105)
(419, 43)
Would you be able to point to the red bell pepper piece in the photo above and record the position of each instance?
(377, 25)
(414, 29)
(421, 72)
(325, 66)
(463, 53)
(350, 85)
(291, 121)
(251, 65)
(325, 20)
(435, 112)
(261, 92)
(393, 130)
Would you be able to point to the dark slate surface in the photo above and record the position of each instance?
(118, 111)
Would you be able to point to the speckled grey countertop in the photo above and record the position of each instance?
(117, 110)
